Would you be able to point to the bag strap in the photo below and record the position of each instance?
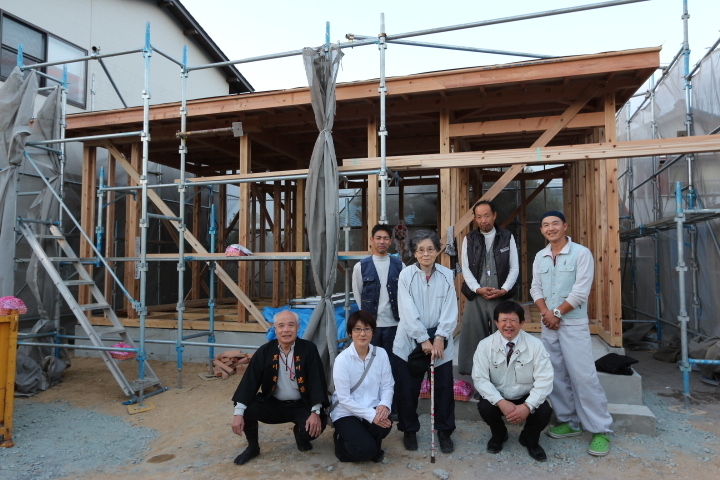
(367, 369)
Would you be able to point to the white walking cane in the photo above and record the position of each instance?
(432, 411)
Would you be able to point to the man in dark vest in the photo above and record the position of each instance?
(375, 284)
(284, 382)
(490, 269)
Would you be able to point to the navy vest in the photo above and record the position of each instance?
(476, 259)
(371, 285)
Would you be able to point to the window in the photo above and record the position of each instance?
(38, 47)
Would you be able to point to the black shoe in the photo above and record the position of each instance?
(379, 457)
(410, 441)
(303, 444)
(446, 443)
(250, 452)
(495, 444)
(536, 451)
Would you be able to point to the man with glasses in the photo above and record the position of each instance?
(513, 374)
(490, 269)
(562, 278)
(375, 288)
(284, 382)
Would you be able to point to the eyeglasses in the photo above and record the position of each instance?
(514, 321)
(360, 330)
(423, 251)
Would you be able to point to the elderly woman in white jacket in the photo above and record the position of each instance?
(364, 385)
(428, 305)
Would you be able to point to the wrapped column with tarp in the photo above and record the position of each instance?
(321, 200)
(17, 98)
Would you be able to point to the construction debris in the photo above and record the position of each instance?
(230, 362)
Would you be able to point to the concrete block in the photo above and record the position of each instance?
(632, 418)
(622, 389)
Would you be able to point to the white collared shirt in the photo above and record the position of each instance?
(528, 373)
(375, 389)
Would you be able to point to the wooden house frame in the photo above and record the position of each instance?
(447, 126)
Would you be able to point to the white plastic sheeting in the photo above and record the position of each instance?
(657, 201)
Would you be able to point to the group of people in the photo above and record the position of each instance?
(406, 322)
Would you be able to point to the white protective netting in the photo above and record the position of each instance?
(657, 201)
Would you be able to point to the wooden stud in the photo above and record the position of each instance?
(132, 228)
(88, 204)
(277, 243)
(195, 267)
(110, 229)
(243, 280)
(372, 214)
(446, 192)
(300, 238)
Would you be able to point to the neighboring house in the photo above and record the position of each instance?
(56, 30)
(52, 30)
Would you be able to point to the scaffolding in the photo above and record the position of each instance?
(148, 195)
(683, 102)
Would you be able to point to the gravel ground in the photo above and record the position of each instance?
(56, 440)
(79, 429)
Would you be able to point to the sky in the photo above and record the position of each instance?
(245, 29)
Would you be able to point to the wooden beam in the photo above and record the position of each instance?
(517, 125)
(630, 60)
(194, 243)
(544, 139)
(547, 155)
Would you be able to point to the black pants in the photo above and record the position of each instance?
(534, 424)
(384, 338)
(408, 388)
(274, 411)
(358, 440)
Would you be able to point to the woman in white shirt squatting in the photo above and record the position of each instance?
(361, 408)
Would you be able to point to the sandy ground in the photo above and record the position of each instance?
(89, 434)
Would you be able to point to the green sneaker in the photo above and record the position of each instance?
(600, 445)
(563, 430)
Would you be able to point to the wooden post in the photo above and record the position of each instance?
(300, 237)
(132, 232)
(222, 230)
(110, 229)
(195, 267)
(524, 257)
(372, 215)
(446, 200)
(244, 222)
(612, 233)
(288, 288)
(277, 243)
(88, 204)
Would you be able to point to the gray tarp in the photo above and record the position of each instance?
(45, 207)
(321, 201)
(17, 96)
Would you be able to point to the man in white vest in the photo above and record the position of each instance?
(562, 278)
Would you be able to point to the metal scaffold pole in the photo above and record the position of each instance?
(181, 224)
(145, 140)
(382, 47)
